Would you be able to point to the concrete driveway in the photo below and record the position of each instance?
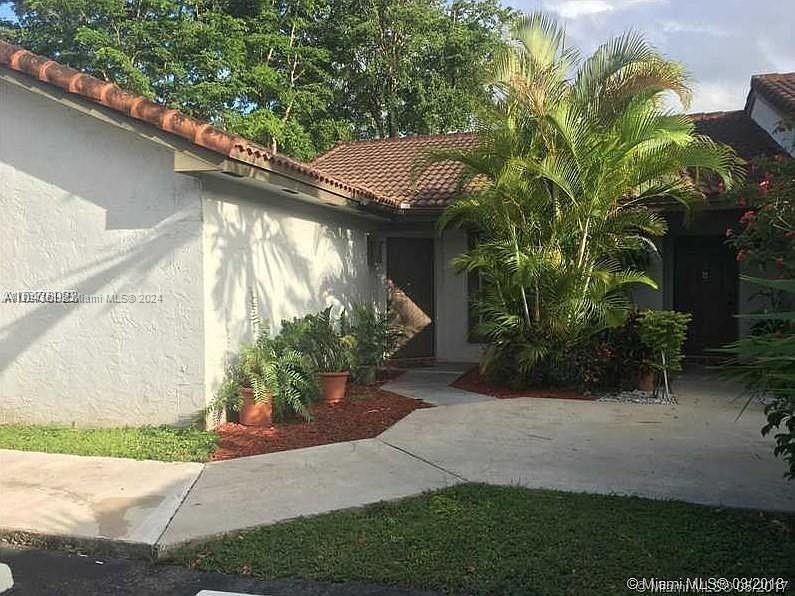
(696, 451)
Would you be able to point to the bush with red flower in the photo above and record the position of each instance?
(764, 237)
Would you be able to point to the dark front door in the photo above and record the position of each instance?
(705, 285)
(409, 269)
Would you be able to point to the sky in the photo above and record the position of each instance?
(721, 42)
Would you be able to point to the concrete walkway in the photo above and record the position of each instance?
(695, 451)
(91, 497)
(432, 385)
(263, 489)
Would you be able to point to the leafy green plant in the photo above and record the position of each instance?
(273, 371)
(662, 333)
(374, 339)
(765, 363)
(610, 359)
(319, 336)
(559, 189)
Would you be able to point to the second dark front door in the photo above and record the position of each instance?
(409, 265)
(705, 285)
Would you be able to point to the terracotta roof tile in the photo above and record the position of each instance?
(738, 130)
(778, 89)
(385, 166)
(173, 121)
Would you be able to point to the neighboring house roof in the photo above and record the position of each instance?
(738, 130)
(385, 165)
(173, 121)
(776, 88)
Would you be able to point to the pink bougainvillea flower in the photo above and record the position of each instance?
(780, 262)
(740, 255)
(747, 217)
(764, 186)
(790, 234)
(728, 232)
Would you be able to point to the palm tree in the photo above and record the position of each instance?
(572, 153)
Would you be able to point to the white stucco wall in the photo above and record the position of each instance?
(296, 258)
(766, 116)
(452, 303)
(87, 206)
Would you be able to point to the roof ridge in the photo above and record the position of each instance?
(715, 114)
(404, 138)
(199, 132)
(772, 74)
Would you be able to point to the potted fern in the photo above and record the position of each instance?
(319, 336)
(373, 338)
(267, 382)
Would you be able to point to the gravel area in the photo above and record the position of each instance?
(636, 396)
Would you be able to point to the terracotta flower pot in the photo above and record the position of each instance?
(646, 380)
(254, 413)
(333, 386)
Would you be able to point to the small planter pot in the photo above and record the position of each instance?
(647, 380)
(254, 413)
(333, 386)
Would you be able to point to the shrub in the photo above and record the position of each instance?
(374, 339)
(765, 362)
(273, 370)
(611, 358)
(662, 332)
(319, 337)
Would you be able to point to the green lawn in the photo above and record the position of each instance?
(163, 442)
(498, 540)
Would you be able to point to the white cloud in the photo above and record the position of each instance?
(683, 27)
(717, 96)
(574, 9)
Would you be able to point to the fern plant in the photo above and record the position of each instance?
(319, 336)
(274, 372)
(373, 336)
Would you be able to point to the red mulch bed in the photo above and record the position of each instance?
(472, 381)
(365, 413)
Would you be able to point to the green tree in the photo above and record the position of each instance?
(296, 76)
(410, 66)
(560, 187)
(248, 65)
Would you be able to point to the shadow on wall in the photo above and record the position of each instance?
(97, 210)
(23, 332)
(296, 258)
(92, 160)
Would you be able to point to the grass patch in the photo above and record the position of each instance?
(500, 540)
(164, 443)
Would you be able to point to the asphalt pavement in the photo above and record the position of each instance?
(47, 573)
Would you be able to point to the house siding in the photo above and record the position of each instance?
(452, 303)
(295, 258)
(90, 207)
(766, 116)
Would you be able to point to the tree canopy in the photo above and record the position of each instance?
(297, 75)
